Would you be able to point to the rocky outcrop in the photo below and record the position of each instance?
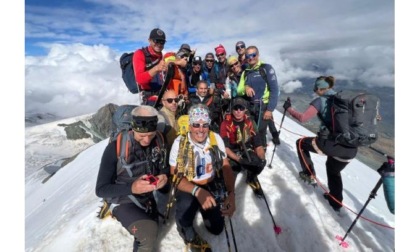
(101, 121)
(98, 128)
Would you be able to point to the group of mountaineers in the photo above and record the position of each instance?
(200, 122)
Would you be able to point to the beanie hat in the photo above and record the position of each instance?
(209, 55)
(219, 49)
(157, 34)
(232, 59)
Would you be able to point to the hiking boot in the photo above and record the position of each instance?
(310, 179)
(253, 182)
(198, 244)
(336, 209)
(276, 139)
(104, 211)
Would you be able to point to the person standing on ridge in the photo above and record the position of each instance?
(128, 181)
(262, 93)
(148, 75)
(240, 50)
(338, 155)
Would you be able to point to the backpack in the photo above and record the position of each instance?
(121, 120)
(354, 117)
(126, 65)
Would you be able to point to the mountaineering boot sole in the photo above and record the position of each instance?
(104, 211)
(255, 186)
(308, 179)
(197, 245)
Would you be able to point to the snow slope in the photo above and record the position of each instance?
(60, 214)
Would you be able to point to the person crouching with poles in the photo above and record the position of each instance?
(207, 182)
(244, 147)
(338, 155)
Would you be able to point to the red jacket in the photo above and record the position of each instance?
(143, 78)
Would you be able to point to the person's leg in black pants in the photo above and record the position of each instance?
(335, 183)
(304, 147)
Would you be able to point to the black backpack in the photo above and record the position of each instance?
(126, 64)
(354, 118)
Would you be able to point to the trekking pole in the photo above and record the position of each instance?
(227, 236)
(371, 196)
(233, 235)
(277, 229)
(380, 152)
(275, 146)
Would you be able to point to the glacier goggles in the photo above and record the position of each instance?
(144, 124)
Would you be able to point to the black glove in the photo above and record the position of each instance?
(287, 104)
(262, 163)
(244, 161)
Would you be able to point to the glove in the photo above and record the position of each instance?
(287, 104)
(262, 163)
(244, 161)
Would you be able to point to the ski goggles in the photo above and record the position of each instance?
(144, 124)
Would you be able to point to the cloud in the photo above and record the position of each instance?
(74, 79)
(351, 40)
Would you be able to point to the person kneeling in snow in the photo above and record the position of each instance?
(243, 146)
(128, 184)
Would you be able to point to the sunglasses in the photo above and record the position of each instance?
(250, 56)
(170, 100)
(209, 60)
(220, 55)
(239, 107)
(240, 47)
(196, 63)
(234, 64)
(144, 126)
(203, 125)
(159, 41)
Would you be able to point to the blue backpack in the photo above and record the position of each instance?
(126, 64)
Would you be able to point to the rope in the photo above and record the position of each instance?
(325, 190)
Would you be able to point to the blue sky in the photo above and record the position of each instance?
(72, 47)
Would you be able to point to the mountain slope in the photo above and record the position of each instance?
(60, 214)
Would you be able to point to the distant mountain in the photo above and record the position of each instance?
(32, 119)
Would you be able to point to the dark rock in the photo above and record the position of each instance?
(75, 130)
(101, 121)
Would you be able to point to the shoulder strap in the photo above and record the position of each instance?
(148, 57)
(213, 141)
(263, 73)
(124, 144)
